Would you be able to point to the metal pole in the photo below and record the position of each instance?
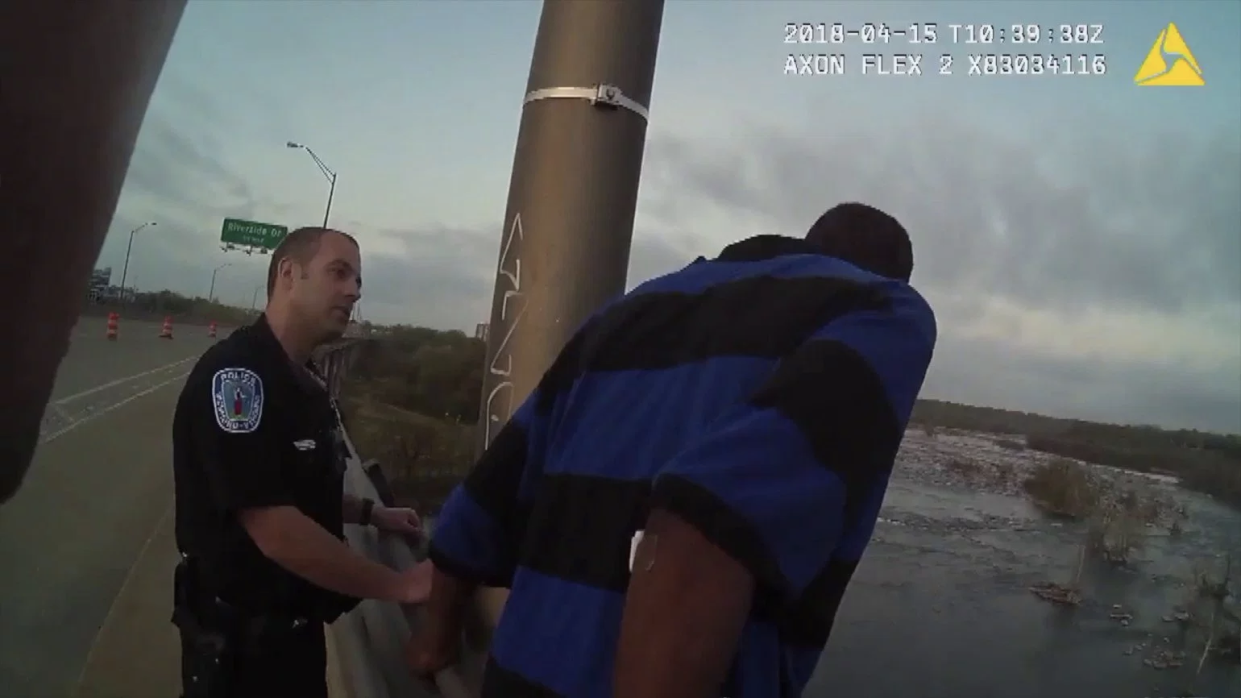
(128, 249)
(211, 293)
(125, 270)
(328, 173)
(330, 192)
(568, 226)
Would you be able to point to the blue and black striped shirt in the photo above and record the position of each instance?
(761, 396)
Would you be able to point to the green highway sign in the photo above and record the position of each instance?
(263, 236)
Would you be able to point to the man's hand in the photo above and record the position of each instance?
(297, 543)
(397, 520)
(416, 583)
(427, 653)
(437, 642)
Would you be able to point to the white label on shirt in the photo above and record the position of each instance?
(633, 548)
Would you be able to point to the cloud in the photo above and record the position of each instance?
(1080, 219)
(439, 276)
(1074, 272)
(171, 166)
(1158, 391)
(179, 177)
(444, 277)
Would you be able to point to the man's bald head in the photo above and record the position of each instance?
(300, 246)
(313, 283)
(865, 237)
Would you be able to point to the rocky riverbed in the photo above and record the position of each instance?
(942, 604)
(994, 464)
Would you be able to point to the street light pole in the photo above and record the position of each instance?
(331, 190)
(564, 249)
(328, 172)
(128, 249)
(211, 293)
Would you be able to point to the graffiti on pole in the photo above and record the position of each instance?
(512, 308)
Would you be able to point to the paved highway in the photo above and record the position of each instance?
(78, 617)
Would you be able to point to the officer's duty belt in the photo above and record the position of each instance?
(198, 611)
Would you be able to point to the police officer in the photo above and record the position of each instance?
(259, 460)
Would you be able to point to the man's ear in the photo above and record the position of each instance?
(284, 273)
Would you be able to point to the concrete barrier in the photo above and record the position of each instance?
(369, 642)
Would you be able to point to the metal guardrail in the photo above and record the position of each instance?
(370, 640)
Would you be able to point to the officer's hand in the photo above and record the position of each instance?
(416, 587)
(397, 520)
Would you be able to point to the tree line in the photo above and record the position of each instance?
(439, 374)
(431, 372)
(1204, 461)
(158, 304)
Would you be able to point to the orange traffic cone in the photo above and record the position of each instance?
(211, 330)
(166, 331)
(114, 320)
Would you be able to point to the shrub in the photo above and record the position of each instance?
(1116, 532)
(966, 468)
(1011, 444)
(1214, 472)
(423, 457)
(1063, 488)
(1212, 612)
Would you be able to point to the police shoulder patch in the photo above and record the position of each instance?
(237, 398)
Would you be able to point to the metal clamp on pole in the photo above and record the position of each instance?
(607, 96)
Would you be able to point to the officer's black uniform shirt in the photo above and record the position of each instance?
(253, 429)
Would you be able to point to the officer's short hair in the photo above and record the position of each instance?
(866, 237)
(301, 246)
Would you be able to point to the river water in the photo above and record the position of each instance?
(941, 606)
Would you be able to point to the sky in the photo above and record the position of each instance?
(1078, 236)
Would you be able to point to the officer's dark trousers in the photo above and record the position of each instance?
(293, 667)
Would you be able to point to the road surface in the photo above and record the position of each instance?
(96, 501)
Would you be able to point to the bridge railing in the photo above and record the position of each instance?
(370, 640)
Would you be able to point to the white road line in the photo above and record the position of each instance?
(119, 381)
(129, 578)
(101, 412)
(60, 412)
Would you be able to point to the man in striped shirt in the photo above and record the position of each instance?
(680, 504)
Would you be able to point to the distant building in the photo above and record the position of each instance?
(101, 278)
(480, 330)
(101, 289)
